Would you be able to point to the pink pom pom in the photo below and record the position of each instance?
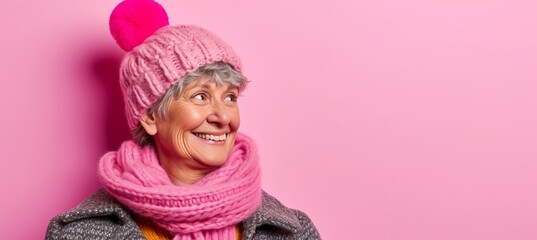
(132, 21)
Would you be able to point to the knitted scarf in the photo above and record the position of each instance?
(208, 209)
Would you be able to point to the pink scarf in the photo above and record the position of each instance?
(208, 209)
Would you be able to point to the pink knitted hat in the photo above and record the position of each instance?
(158, 55)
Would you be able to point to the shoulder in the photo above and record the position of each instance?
(100, 216)
(273, 220)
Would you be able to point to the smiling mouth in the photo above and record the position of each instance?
(216, 138)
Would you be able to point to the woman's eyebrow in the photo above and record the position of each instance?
(207, 86)
(231, 88)
(212, 86)
(204, 86)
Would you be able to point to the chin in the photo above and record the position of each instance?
(214, 161)
(210, 153)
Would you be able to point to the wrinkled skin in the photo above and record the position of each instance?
(203, 108)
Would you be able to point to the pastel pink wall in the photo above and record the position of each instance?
(380, 119)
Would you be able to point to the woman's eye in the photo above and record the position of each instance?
(230, 98)
(199, 96)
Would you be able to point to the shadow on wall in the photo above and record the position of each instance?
(105, 67)
(95, 66)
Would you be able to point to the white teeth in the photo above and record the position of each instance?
(212, 137)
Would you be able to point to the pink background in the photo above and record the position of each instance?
(380, 119)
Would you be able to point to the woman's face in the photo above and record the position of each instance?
(200, 129)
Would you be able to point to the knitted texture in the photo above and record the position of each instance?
(101, 217)
(208, 209)
(159, 55)
(162, 59)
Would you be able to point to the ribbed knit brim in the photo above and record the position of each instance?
(162, 59)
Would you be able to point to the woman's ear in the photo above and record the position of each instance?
(148, 123)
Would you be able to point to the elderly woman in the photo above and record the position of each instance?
(188, 173)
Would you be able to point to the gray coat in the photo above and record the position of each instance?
(103, 217)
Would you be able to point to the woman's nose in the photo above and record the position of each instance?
(219, 114)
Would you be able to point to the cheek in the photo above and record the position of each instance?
(195, 119)
(188, 119)
(235, 120)
(179, 142)
(174, 137)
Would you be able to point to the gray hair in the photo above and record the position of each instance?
(219, 72)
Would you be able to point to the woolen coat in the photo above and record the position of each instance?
(101, 216)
